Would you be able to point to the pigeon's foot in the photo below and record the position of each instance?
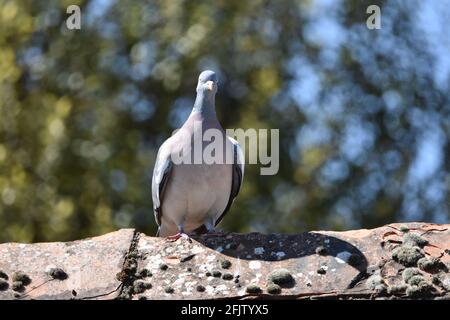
(211, 230)
(177, 236)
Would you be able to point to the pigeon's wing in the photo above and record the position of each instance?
(161, 175)
(237, 176)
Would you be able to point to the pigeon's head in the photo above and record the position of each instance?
(207, 82)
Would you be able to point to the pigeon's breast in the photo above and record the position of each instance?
(207, 190)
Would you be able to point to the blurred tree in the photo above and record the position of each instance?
(363, 114)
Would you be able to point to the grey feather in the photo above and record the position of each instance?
(237, 177)
(161, 173)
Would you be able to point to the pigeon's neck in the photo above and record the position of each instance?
(205, 106)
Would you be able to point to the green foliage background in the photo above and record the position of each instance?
(363, 114)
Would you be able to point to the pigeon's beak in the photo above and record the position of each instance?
(210, 85)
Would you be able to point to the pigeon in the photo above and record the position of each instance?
(190, 196)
